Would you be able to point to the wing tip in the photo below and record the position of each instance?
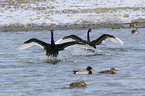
(120, 41)
(20, 47)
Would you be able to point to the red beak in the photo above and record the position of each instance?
(91, 31)
(52, 31)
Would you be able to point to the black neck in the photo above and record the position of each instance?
(52, 39)
(88, 37)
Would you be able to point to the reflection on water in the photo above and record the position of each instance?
(52, 60)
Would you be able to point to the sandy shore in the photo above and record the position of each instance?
(35, 15)
(33, 27)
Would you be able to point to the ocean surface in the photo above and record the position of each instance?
(31, 73)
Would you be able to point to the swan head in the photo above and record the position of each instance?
(90, 30)
(51, 30)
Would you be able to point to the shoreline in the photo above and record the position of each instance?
(35, 27)
(31, 15)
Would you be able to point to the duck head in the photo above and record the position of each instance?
(113, 69)
(83, 83)
(89, 68)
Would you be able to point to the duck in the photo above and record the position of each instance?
(78, 84)
(135, 31)
(51, 49)
(111, 71)
(98, 41)
(84, 71)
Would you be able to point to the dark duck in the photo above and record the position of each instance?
(51, 49)
(84, 71)
(98, 41)
(78, 84)
(135, 31)
(111, 71)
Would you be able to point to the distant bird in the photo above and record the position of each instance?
(51, 49)
(111, 71)
(98, 41)
(135, 31)
(84, 71)
(78, 84)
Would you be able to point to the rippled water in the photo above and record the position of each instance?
(28, 73)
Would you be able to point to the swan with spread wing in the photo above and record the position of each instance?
(51, 49)
(98, 41)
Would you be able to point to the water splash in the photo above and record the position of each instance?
(79, 51)
(72, 52)
(52, 60)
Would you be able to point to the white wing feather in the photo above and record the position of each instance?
(116, 40)
(64, 40)
(85, 46)
(24, 46)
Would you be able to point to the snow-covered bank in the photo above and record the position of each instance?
(68, 12)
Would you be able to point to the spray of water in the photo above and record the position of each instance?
(68, 53)
(52, 60)
(80, 51)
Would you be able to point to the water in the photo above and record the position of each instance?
(28, 73)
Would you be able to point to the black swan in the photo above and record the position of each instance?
(98, 41)
(51, 49)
